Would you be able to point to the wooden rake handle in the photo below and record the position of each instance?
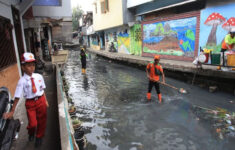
(181, 90)
(171, 86)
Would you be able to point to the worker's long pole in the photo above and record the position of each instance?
(171, 86)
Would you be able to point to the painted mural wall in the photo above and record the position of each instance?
(213, 26)
(173, 37)
(95, 41)
(123, 43)
(110, 37)
(135, 40)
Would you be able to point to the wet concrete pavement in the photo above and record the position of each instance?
(111, 102)
(51, 141)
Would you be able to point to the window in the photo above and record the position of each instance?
(104, 6)
(7, 51)
(107, 5)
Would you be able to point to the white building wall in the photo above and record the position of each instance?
(54, 11)
(5, 11)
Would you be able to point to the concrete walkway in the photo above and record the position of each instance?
(51, 141)
(173, 65)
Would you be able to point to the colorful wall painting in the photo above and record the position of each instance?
(211, 31)
(123, 43)
(94, 40)
(135, 40)
(173, 37)
(110, 37)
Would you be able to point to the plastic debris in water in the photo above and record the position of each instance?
(227, 116)
(229, 121)
(231, 134)
(16, 136)
(182, 90)
(231, 128)
(221, 136)
(218, 130)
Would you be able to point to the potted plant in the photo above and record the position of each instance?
(72, 110)
(76, 123)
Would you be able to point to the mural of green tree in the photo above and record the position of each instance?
(135, 40)
(190, 34)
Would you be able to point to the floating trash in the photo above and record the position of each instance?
(231, 128)
(228, 121)
(182, 91)
(222, 121)
(231, 134)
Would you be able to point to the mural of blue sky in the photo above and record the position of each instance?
(123, 34)
(47, 3)
(205, 30)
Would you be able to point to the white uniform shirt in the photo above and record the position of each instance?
(24, 86)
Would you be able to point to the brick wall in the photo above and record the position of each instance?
(162, 13)
(9, 78)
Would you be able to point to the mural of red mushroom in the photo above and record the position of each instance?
(229, 25)
(213, 20)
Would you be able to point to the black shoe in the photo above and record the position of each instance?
(31, 138)
(38, 142)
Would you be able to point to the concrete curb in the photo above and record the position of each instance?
(66, 129)
(171, 65)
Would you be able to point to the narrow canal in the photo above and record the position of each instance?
(111, 102)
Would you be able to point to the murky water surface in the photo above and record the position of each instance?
(111, 101)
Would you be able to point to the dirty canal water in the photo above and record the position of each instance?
(111, 103)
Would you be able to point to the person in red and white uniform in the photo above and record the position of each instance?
(31, 86)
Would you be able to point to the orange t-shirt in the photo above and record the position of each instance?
(152, 71)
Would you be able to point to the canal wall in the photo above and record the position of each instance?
(206, 77)
(66, 128)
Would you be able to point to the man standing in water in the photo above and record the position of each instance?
(83, 60)
(154, 70)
